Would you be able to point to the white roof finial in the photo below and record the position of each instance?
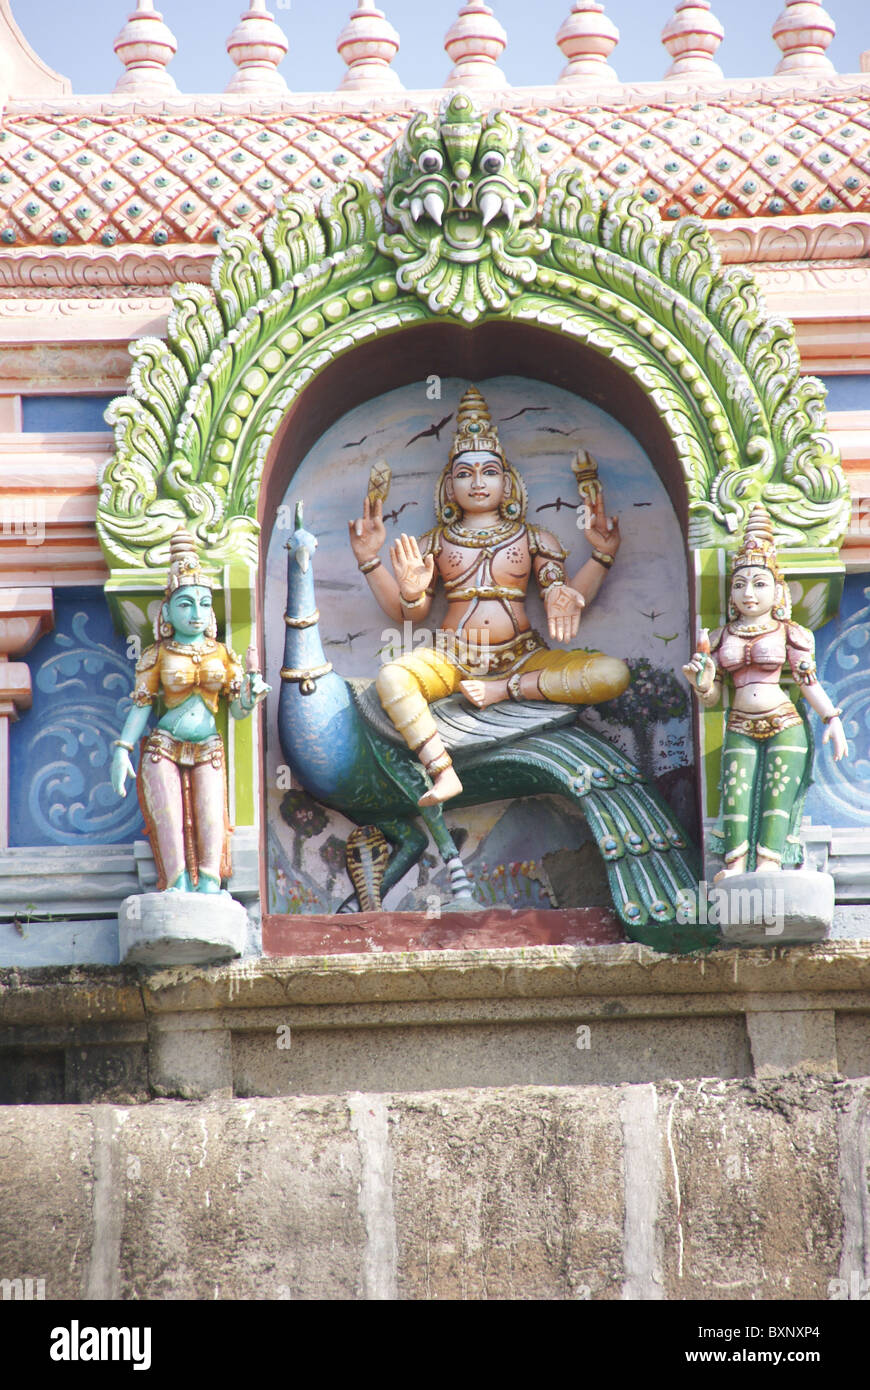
(803, 32)
(474, 42)
(368, 43)
(587, 38)
(145, 45)
(691, 38)
(257, 45)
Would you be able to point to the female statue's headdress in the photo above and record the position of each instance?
(476, 433)
(185, 569)
(758, 550)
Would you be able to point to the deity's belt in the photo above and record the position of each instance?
(488, 658)
(184, 752)
(762, 726)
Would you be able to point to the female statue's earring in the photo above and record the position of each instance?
(165, 629)
(780, 610)
(732, 610)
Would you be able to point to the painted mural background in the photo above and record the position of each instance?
(532, 851)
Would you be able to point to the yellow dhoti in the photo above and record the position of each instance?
(409, 685)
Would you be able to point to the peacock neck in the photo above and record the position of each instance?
(302, 642)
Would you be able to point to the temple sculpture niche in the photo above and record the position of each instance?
(512, 849)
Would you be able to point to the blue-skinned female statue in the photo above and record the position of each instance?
(182, 772)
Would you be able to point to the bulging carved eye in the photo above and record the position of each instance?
(492, 163)
(430, 161)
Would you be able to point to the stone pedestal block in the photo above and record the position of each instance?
(181, 928)
(773, 909)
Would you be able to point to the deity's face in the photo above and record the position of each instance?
(478, 482)
(753, 591)
(189, 611)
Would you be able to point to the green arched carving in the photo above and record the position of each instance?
(464, 238)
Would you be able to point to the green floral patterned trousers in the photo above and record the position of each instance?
(761, 777)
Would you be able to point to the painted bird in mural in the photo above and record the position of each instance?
(526, 410)
(651, 615)
(346, 641)
(432, 430)
(666, 640)
(558, 504)
(346, 754)
(397, 511)
(355, 443)
(554, 429)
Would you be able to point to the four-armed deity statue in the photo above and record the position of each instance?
(484, 551)
(767, 757)
(182, 779)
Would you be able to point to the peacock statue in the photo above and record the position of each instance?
(346, 754)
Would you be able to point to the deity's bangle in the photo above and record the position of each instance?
(368, 565)
(835, 714)
(119, 743)
(605, 560)
(412, 602)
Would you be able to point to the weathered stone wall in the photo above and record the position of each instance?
(551, 1123)
(711, 1190)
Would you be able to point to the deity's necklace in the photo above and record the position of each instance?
(489, 536)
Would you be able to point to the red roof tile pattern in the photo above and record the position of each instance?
(110, 177)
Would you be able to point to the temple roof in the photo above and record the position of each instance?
(175, 173)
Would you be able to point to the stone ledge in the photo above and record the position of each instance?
(78, 994)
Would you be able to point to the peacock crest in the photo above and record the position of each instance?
(462, 188)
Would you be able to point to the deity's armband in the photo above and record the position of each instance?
(550, 574)
(801, 652)
(147, 678)
(547, 548)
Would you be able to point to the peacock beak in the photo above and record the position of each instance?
(303, 558)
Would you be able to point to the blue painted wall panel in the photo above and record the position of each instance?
(56, 414)
(61, 749)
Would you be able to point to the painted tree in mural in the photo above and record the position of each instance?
(462, 235)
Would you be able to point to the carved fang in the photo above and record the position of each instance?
(434, 205)
(507, 207)
(490, 207)
(416, 208)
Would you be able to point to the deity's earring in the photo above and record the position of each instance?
(449, 509)
(732, 610)
(780, 611)
(165, 628)
(509, 507)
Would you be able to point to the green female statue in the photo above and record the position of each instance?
(765, 761)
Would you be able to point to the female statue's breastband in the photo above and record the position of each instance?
(207, 670)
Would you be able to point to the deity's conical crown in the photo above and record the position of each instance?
(758, 547)
(475, 431)
(184, 563)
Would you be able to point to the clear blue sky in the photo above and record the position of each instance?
(75, 37)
